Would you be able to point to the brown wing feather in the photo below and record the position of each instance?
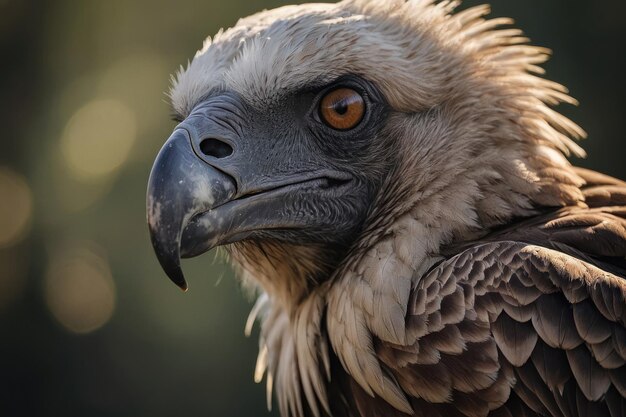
(529, 321)
(554, 354)
(594, 232)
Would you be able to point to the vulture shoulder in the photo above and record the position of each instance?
(528, 321)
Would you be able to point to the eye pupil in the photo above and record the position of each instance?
(342, 108)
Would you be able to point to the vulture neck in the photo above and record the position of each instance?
(303, 326)
(305, 323)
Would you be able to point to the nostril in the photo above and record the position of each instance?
(215, 148)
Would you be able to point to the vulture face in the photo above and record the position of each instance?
(301, 170)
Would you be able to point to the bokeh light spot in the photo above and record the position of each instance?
(16, 207)
(79, 289)
(98, 138)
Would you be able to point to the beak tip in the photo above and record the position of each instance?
(177, 277)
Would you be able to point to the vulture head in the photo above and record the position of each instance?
(335, 151)
(307, 131)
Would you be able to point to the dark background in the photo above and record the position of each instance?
(89, 325)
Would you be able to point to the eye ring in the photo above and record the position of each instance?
(342, 108)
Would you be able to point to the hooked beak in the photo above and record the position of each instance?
(181, 185)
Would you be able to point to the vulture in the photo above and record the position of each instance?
(392, 179)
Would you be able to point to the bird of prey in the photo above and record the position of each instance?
(392, 178)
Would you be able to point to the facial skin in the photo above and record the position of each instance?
(302, 169)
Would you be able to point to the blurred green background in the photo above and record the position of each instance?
(89, 324)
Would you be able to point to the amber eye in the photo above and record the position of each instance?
(342, 108)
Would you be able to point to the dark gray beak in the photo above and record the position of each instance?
(181, 186)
